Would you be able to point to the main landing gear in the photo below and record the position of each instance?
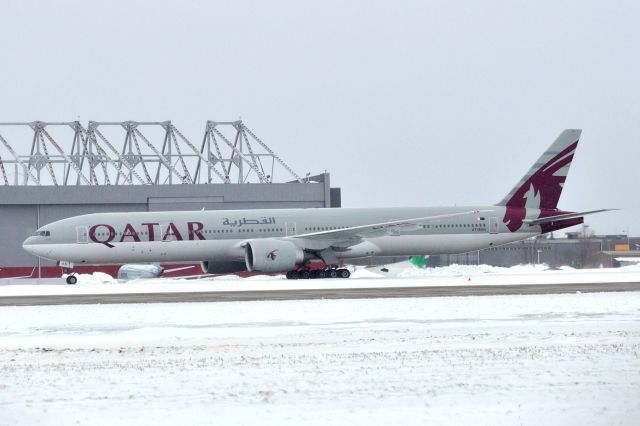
(331, 271)
(305, 274)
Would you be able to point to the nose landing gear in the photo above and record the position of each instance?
(67, 268)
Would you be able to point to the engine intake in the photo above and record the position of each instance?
(271, 255)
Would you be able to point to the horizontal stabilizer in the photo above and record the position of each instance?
(533, 222)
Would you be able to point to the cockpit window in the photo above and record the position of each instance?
(42, 234)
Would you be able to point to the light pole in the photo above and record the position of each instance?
(628, 246)
(539, 256)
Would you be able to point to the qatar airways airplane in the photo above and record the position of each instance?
(287, 240)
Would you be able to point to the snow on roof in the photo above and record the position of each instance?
(628, 259)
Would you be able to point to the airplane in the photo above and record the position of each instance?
(288, 240)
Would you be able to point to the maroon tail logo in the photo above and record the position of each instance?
(541, 191)
(272, 255)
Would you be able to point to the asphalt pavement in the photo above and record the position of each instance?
(329, 293)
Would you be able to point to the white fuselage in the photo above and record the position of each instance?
(113, 238)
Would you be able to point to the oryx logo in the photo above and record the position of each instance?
(541, 190)
(272, 255)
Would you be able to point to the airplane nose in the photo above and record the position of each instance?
(28, 242)
(35, 247)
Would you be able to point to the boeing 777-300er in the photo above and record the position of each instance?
(286, 240)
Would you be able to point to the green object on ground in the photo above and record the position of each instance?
(419, 262)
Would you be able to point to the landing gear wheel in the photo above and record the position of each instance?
(333, 273)
(292, 275)
(322, 273)
(71, 279)
(305, 275)
(344, 273)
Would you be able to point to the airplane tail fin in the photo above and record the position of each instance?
(541, 187)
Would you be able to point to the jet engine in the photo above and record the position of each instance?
(211, 267)
(271, 255)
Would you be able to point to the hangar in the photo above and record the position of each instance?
(53, 170)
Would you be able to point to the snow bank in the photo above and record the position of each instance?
(459, 270)
(454, 275)
(92, 279)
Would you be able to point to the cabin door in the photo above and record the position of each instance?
(493, 225)
(290, 228)
(82, 233)
(158, 233)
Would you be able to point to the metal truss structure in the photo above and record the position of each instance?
(147, 153)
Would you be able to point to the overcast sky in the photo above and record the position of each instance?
(405, 103)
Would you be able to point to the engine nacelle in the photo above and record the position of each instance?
(271, 255)
(211, 267)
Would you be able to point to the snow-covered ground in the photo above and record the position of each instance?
(455, 275)
(570, 359)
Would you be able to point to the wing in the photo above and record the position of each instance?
(346, 237)
(533, 222)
